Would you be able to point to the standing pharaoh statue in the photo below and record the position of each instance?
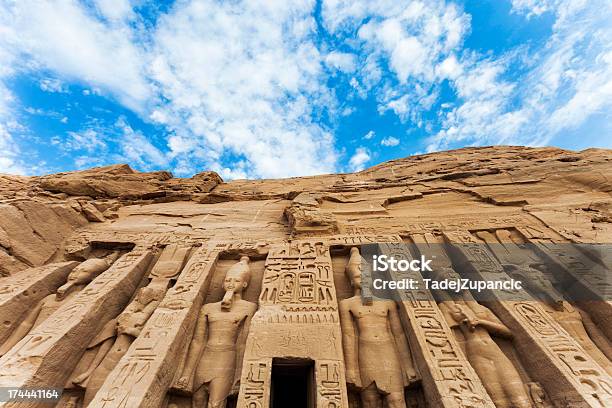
(377, 356)
(215, 354)
(115, 338)
(476, 324)
(78, 278)
(473, 325)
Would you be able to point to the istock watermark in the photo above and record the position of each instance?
(550, 273)
(383, 263)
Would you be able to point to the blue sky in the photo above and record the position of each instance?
(277, 89)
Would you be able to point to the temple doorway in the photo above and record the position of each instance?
(292, 383)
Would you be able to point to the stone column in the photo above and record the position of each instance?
(448, 378)
(144, 374)
(49, 353)
(297, 318)
(569, 375)
(22, 291)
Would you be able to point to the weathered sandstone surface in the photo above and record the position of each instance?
(130, 289)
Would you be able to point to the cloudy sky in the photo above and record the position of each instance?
(284, 88)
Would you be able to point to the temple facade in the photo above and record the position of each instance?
(126, 289)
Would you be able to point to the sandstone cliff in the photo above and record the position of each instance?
(568, 190)
(111, 277)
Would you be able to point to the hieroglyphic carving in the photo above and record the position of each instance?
(299, 274)
(595, 277)
(255, 389)
(565, 370)
(297, 317)
(360, 239)
(448, 377)
(329, 386)
(50, 350)
(147, 370)
(462, 223)
(23, 291)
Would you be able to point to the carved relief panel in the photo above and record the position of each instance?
(297, 320)
(562, 369)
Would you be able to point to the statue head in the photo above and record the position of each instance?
(129, 321)
(354, 268)
(81, 275)
(236, 280)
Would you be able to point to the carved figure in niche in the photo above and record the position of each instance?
(476, 324)
(376, 352)
(116, 337)
(576, 322)
(78, 278)
(214, 360)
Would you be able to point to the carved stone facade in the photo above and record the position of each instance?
(130, 289)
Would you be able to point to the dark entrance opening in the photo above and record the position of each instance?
(292, 383)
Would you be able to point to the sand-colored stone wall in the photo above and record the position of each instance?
(129, 289)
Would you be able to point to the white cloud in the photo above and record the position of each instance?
(90, 140)
(243, 81)
(359, 159)
(228, 79)
(64, 37)
(341, 61)
(417, 41)
(9, 149)
(9, 153)
(400, 106)
(241, 87)
(52, 85)
(533, 8)
(413, 36)
(483, 116)
(449, 68)
(115, 10)
(136, 148)
(390, 141)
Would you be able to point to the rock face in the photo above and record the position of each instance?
(130, 289)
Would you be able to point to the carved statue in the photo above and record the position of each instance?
(214, 359)
(377, 356)
(116, 337)
(78, 278)
(476, 324)
(576, 322)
